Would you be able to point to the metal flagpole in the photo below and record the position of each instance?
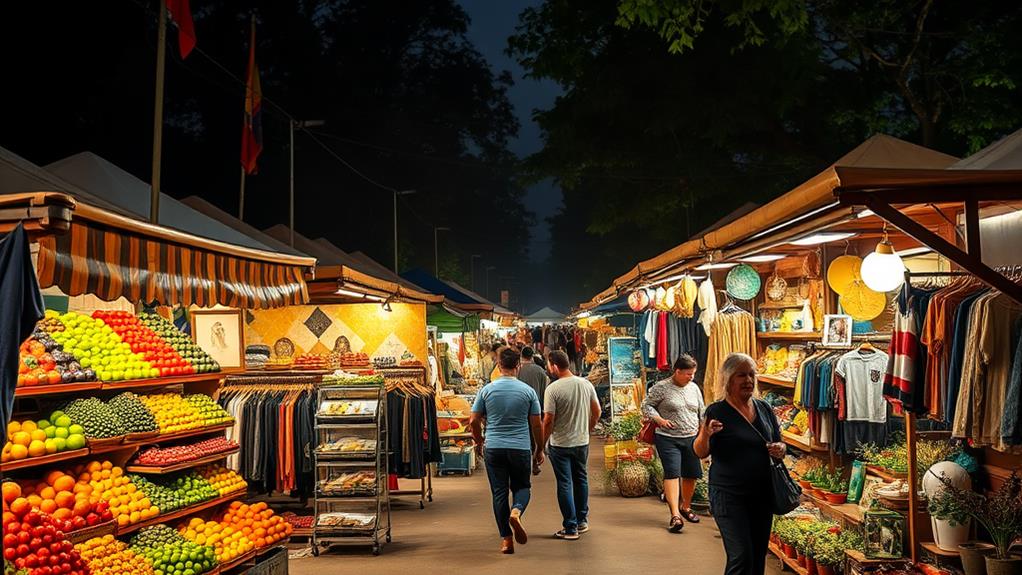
(161, 58)
(241, 196)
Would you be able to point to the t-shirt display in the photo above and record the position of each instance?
(863, 375)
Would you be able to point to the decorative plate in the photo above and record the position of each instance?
(284, 347)
(776, 288)
(638, 300)
(843, 272)
(862, 303)
(743, 282)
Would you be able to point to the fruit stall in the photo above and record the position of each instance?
(115, 457)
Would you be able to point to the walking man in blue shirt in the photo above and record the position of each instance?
(514, 441)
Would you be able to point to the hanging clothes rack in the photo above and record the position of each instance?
(397, 379)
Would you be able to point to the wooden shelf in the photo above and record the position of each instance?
(848, 511)
(774, 380)
(159, 470)
(793, 563)
(44, 459)
(799, 442)
(58, 388)
(237, 562)
(790, 335)
(183, 512)
(931, 547)
(779, 306)
(887, 476)
(163, 381)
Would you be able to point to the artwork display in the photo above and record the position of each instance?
(220, 333)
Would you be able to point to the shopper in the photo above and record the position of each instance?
(676, 405)
(487, 362)
(511, 411)
(533, 375)
(741, 433)
(571, 411)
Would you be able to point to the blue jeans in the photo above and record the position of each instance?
(569, 464)
(508, 469)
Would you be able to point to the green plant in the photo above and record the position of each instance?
(947, 506)
(999, 513)
(809, 531)
(626, 428)
(829, 547)
(785, 529)
(835, 483)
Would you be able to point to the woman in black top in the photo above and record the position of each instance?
(742, 434)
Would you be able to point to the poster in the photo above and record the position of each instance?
(625, 366)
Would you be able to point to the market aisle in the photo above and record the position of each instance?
(456, 534)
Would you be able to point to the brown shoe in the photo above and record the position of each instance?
(507, 546)
(521, 537)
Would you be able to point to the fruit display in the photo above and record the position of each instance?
(350, 359)
(108, 556)
(209, 411)
(163, 456)
(349, 379)
(35, 541)
(181, 343)
(314, 361)
(97, 346)
(172, 412)
(299, 521)
(223, 480)
(42, 361)
(104, 481)
(170, 553)
(228, 541)
(257, 522)
(133, 414)
(345, 407)
(60, 495)
(171, 494)
(29, 438)
(145, 342)
(96, 417)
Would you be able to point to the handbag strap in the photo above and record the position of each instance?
(759, 412)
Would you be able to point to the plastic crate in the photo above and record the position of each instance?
(457, 461)
(273, 563)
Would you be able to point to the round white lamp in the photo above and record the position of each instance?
(883, 270)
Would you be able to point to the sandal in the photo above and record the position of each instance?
(676, 525)
(690, 516)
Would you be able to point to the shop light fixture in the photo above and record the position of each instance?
(883, 271)
(914, 252)
(716, 266)
(583, 314)
(348, 292)
(864, 214)
(822, 238)
(762, 258)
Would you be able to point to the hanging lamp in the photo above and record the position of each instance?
(883, 271)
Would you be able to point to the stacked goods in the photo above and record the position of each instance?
(163, 456)
(61, 496)
(42, 361)
(199, 360)
(298, 521)
(257, 522)
(103, 481)
(228, 541)
(171, 495)
(95, 345)
(132, 413)
(96, 417)
(35, 541)
(354, 483)
(172, 412)
(222, 479)
(350, 379)
(170, 553)
(349, 359)
(313, 361)
(209, 412)
(108, 556)
(256, 356)
(144, 341)
(29, 438)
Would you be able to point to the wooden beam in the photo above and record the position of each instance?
(968, 262)
(910, 448)
(930, 194)
(972, 235)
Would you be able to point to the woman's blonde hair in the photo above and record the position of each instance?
(728, 369)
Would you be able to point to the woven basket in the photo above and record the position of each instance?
(632, 479)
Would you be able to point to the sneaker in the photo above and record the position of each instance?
(567, 535)
(521, 537)
(583, 527)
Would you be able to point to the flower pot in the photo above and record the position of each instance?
(789, 551)
(949, 538)
(801, 559)
(997, 566)
(973, 554)
(836, 498)
(811, 567)
(804, 484)
(822, 569)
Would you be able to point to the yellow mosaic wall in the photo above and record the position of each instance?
(368, 328)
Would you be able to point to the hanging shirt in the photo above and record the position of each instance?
(662, 343)
(23, 306)
(863, 375)
(959, 335)
(1011, 430)
(707, 300)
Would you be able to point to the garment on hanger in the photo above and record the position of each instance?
(733, 331)
(706, 298)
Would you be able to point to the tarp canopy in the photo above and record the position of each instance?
(545, 315)
(497, 308)
(453, 296)
(449, 320)
(1004, 154)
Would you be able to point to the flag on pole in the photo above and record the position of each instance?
(181, 12)
(252, 131)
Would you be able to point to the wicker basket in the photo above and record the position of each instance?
(632, 479)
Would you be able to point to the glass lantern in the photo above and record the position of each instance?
(884, 532)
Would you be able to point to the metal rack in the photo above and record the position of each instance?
(370, 427)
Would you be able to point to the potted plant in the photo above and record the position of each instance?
(787, 531)
(950, 520)
(837, 489)
(806, 480)
(829, 550)
(1000, 514)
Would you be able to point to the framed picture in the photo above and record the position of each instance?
(869, 491)
(837, 330)
(220, 333)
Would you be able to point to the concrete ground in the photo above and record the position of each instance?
(456, 534)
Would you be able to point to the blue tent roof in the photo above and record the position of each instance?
(619, 305)
(431, 284)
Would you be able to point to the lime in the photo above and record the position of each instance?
(75, 441)
(75, 428)
(51, 446)
(63, 421)
(43, 424)
(50, 432)
(56, 415)
(61, 432)
(60, 443)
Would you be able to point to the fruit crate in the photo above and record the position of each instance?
(457, 460)
(272, 563)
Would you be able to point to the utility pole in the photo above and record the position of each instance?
(295, 125)
(161, 61)
(396, 194)
(436, 250)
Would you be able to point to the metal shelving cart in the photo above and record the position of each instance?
(352, 500)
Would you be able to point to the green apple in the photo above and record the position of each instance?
(61, 443)
(75, 428)
(61, 432)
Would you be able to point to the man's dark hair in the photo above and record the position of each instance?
(558, 358)
(496, 347)
(685, 361)
(509, 358)
(527, 353)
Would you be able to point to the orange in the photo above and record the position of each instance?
(107, 465)
(53, 476)
(94, 466)
(62, 514)
(22, 438)
(36, 448)
(48, 506)
(35, 500)
(20, 506)
(13, 427)
(47, 492)
(81, 508)
(8, 517)
(38, 435)
(11, 491)
(29, 426)
(65, 499)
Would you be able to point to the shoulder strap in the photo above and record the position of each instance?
(759, 411)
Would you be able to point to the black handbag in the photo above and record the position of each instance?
(786, 494)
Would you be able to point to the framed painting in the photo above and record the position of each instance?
(221, 334)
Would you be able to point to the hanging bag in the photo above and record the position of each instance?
(785, 493)
(647, 432)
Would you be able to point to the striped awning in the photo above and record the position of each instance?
(87, 250)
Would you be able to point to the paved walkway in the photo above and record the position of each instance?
(456, 534)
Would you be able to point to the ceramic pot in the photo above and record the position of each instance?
(973, 556)
(811, 568)
(836, 498)
(949, 538)
(801, 559)
(804, 484)
(997, 566)
(822, 569)
(789, 551)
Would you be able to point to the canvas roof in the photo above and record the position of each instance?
(1004, 154)
(545, 315)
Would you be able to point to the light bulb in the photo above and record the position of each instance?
(883, 271)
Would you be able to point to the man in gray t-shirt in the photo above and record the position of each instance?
(533, 375)
(570, 412)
